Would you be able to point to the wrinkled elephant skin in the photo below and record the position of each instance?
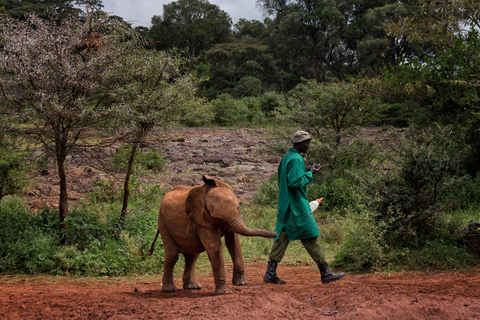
(192, 220)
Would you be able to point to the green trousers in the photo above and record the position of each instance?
(313, 246)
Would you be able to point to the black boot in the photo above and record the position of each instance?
(327, 275)
(271, 274)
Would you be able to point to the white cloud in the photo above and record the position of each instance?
(140, 12)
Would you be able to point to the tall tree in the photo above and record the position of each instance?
(307, 30)
(228, 63)
(338, 107)
(53, 80)
(328, 39)
(447, 80)
(156, 90)
(195, 25)
(19, 9)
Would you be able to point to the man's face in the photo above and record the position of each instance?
(303, 146)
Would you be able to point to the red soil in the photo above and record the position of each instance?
(423, 295)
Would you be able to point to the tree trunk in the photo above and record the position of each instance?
(126, 185)
(63, 201)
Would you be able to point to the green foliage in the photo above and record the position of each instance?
(81, 229)
(238, 68)
(151, 159)
(238, 112)
(267, 194)
(248, 86)
(97, 243)
(155, 89)
(363, 249)
(13, 167)
(104, 191)
(436, 254)
(258, 216)
(461, 192)
(339, 107)
(27, 241)
(195, 25)
(19, 9)
(409, 197)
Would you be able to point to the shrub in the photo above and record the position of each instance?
(27, 241)
(409, 196)
(238, 112)
(364, 248)
(13, 167)
(230, 111)
(151, 159)
(103, 192)
(267, 194)
(82, 229)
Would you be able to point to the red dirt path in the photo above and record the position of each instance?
(424, 295)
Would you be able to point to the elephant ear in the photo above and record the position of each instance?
(209, 182)
(195, 205)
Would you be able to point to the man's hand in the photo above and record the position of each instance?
(315, 168)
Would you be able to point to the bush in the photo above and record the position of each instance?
(363, 249)
(151, 160)
(13, 167)
(97, 244)
(238, 112)
(27, 241)
(103, 192)
(409, 196)
(267, 194)
(460, 192)
(81, 229)
(436, 254)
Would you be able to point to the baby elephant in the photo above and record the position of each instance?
(194, 219)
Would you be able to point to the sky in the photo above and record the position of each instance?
(140, 12)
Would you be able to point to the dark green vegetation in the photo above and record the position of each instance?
(80, 81)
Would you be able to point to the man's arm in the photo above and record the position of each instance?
(297, 177)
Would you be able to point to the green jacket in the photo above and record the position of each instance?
(294, 214)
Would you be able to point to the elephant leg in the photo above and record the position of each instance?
(171, 258)
(235, 250)
(189, 281)
(211, 240)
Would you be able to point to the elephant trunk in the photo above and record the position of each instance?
(237, 225)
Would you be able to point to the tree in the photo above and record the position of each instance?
(21, 9)
(228, 63)
(439, 23)
(156, 90)
(337, 107)
(446, 81)
(307, 30)
(250, 31)
(195, 25)
(332, 39)
(53, 80)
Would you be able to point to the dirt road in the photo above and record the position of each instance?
(374, 296)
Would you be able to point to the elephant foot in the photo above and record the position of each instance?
(169, 288)
(220, 291)
(239, 280)
(192, 286)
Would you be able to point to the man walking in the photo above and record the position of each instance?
(295, 220)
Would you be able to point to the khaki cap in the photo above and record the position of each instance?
(301, 136)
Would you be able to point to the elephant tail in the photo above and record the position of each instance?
(152, 248)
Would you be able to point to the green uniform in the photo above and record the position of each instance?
(294, 215)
